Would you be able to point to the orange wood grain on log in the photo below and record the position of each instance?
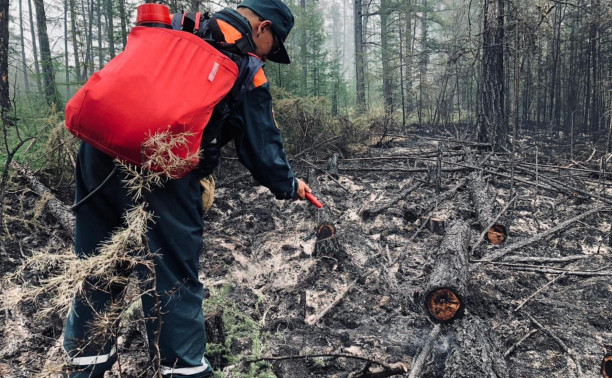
(496, 234)
(444, 305)
(606, 366)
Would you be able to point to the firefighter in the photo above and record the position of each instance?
(252, 33)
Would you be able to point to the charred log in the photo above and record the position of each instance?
(536, 238)
(445, 290)
(475, 353)
(484, 205)
(392, 370)
(55, 207)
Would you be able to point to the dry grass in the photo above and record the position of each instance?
(307, 123)
(66, 273)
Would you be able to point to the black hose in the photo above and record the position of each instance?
(96, 190)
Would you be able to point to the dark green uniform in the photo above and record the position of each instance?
(176, 236)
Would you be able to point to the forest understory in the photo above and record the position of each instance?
(289, 298)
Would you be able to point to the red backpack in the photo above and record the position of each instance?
(164, 80)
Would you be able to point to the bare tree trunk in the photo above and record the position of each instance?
(5, 101)
(45, 55)
(401, 67)
(66, 54)
(608, 143)
(34, 46)
(123, 18)
(304, 55)
(110, 30)
(423, 61)
(359, 57)
(408, 53)
(594, 37)
(24, 62)
(87, 26)
(515, 125)
(386, 57)
(75, 44)
(492, 117)
(99, 21)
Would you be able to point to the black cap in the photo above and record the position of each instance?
(282, 22)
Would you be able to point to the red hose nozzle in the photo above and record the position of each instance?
(310, 197)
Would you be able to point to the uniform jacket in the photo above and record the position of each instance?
(245, 115)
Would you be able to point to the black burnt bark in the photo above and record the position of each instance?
(445, 289)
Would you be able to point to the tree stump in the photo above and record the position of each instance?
(436, 226)
(484, 205)
(445, 290)
(606, 364)
(327, 243)
(332, 164)
(475, 353)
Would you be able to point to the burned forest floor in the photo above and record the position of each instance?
(285, 301)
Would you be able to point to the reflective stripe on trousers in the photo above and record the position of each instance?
(165, 370)
(91, 360)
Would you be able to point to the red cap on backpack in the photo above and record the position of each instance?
(152, 13)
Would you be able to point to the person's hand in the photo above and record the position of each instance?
(302, 189)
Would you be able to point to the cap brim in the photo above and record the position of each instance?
(280, 56)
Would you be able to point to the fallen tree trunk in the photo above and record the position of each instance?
(445, 289)
(484, 205)
(475, 353)
(55, 207)
(536, 238)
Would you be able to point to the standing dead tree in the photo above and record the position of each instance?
(5, 102)
(491, 115)
(446, 288)
(48, 71)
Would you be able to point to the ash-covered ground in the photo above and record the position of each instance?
(281, 296)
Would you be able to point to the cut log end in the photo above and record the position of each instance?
(497, 234)
(606, 367)
(325, 231)
(436, 225)
(444, 305)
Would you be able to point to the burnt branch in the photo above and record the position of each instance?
(536, 238)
